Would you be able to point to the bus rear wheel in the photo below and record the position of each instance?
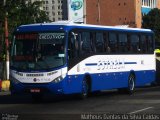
(131, 84)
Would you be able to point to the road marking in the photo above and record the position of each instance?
(141, 110)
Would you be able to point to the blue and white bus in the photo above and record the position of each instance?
(68, 58)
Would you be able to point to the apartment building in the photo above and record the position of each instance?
(55, 9)
(147, 5)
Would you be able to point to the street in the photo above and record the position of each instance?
(143, 101)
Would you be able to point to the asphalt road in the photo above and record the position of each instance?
(145, 101)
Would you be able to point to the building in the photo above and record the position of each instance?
(147, 5)
(55, 9)
(114, 12)
(118, 12)
(101, 12)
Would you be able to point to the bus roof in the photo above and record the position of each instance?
(66, 25)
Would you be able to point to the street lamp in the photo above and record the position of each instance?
(6, 42)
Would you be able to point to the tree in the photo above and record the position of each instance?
(152, 21)
(21, 12)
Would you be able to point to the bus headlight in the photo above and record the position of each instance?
(58, 79)
(14, 80)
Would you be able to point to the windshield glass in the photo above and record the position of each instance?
(38, 51)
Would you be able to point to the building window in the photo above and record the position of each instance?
(53, 1)
(47, 13)
(59, 13)
(59, 7)
(53, 13)
(53, 7)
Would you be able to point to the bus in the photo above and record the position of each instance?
(64, 58)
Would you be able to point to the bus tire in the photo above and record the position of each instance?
(131, 84)
(85, 89)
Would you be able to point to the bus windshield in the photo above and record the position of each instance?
(38, 51)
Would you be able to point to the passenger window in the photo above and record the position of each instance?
(73, 45)
(143, 44)
(99, 43)
(86, 43)
(134, 44)
(106, 45)
(123, 43)
(150, 44)
(113, 42)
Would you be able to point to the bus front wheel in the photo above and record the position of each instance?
(85, 89)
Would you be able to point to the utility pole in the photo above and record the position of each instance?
(6, 42)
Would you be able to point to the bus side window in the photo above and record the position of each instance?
(150, 44)
(73, 45)
(122, 43)
(93, 39)
(99, 43)
(86, 43)
(113, 42)
(134, 48)
(106, 45)
(143, 44)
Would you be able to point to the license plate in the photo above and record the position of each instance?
(35, 90)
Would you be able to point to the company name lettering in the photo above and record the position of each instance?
(110, 64)
(49, 36)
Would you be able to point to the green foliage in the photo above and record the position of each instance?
(152, 21)
(21, 12)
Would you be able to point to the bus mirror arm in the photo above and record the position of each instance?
(74, 34)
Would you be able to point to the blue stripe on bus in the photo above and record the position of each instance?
(130, 63)
(91, 64)
(94, 64)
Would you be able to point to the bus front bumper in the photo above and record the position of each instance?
(53, 88)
